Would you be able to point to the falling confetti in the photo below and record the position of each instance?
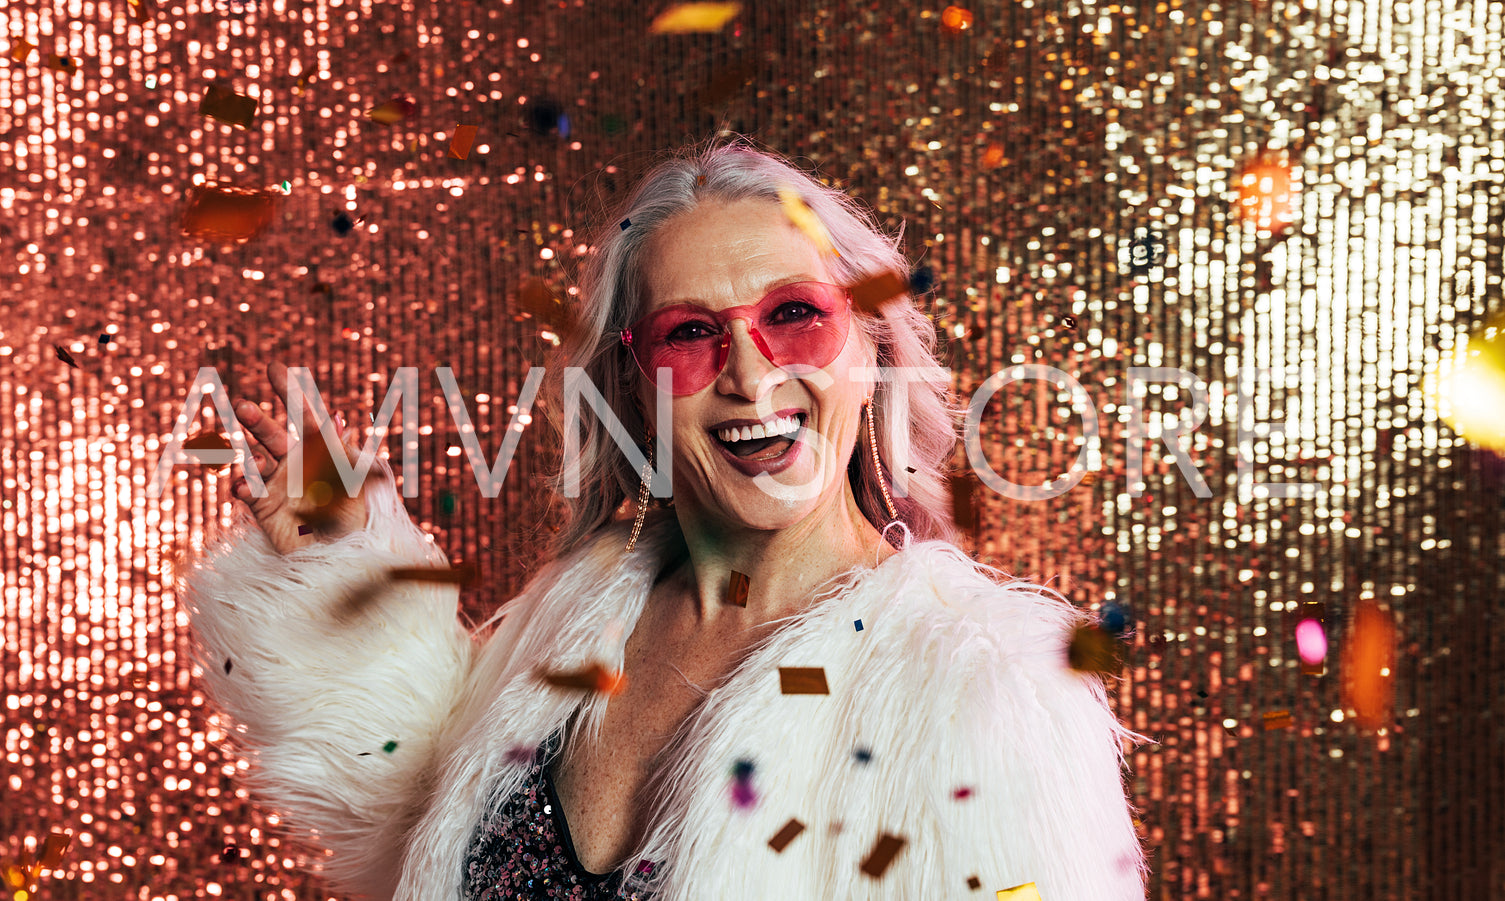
(342, 224)
(545, 116)
(857, 624)
(225, 105)
(803, 680)
(626, 224)
(737, 592)
(1093, 650)
(871, 293)
(53, 849)
(785, 835)
(885, 849)
(228, 214)
(304, 529)
(1311, 639)
(463, 574)
(1267, 193)
(594, 678)
(974, 883)
(105, 339)
(59, 63)
(389, 747)
(1468, 387)
(464, 137)
(694, 18)
(228, 664)
(921, 280)
(1366, 664)
(393, 111)
(743, 796)
(1025, 892)
(62, 354)
(1277, 719)
(804, 219)
(20, 50)
(229, 854)
(961, 794)
(956, 19)
(993, 156)
(863, 755)
(1113, 617)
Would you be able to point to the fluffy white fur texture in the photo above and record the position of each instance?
(956, 681)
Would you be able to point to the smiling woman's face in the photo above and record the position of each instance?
(722, 255)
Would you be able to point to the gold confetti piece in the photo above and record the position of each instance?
(784, 836)
(1366, 663)
(225, 213)
(464, 574)
(21, 51)
(53, 849)
(694, 18)
(459, 145)
(804, 219)
(1025, 892)
(882, 855)
(737, 593)
(1093, 650)
(1277, 719)
(225, 105)
(593, 678)
(393, 111)
(803, 680)
(876, 290)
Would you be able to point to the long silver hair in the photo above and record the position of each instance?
(611, 285)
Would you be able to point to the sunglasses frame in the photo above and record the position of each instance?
(725, 318)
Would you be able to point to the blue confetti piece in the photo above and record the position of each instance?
(858, 624)
(626, 223)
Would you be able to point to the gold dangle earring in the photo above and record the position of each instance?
(643, 492)
(872, 443)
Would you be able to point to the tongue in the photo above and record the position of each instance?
(760, 448)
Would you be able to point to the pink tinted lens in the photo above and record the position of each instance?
(800, 324)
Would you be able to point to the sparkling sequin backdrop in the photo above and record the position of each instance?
(1200, 186)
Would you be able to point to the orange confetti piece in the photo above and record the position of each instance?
(208, 441)
(884, 851)
(785, 835)
(537, 299)
(694, 18)
(993, 157)
(876, 290)
(803, 680)
(225, 105)
(59, 63)
(737, 593)
(804, 219)
(1367, 661)
(593, 678)
(1277, 719)
(54, 848)
(956, 19)
(21, 51)
(1025, 892)
(225, 213)
(459, 145)
(1093, 650)
(464, 574)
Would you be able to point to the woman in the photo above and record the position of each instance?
(954, 750)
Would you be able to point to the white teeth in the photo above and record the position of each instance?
(779, 425)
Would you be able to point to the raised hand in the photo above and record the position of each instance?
(289, 521)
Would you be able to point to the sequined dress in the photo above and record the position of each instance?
(522, 851)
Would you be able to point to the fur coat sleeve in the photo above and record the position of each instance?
(338, 683)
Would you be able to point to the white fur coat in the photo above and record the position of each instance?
(986, 754)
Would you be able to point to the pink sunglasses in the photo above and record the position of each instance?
(804, 323)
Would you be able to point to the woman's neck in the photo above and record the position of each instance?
(784, 567)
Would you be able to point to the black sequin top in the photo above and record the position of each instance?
(522, 851)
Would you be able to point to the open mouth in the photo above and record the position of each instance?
(765, 441)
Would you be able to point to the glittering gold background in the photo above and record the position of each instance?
(1023, 156)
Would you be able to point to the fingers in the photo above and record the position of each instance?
(267, 432)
